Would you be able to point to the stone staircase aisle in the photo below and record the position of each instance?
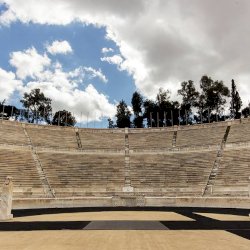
(78, 139)
(127, 184)
(174, 139)
(209, 186)
(45, 183)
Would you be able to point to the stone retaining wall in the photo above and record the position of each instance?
(132, 201)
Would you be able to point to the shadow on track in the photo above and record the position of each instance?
(240, 228)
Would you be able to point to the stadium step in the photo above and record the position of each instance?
(39, 160)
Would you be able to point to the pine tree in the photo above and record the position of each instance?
(123, 115)
(137, 102)
(236, 102)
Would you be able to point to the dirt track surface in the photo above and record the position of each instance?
(122, 240)
(108, 215)
(125, 230)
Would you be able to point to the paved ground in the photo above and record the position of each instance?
(124, 230)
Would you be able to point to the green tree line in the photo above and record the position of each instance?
(197, 106)
(208, 104)
(37, 108)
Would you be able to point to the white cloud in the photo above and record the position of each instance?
(162, 42)
(7, 17)
(107, 50)
(84, 104)
(29, 63)
(64, 88)
(93, 73)
(8, 84)
(116, 59)
(59, 47)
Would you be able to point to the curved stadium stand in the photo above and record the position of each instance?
(200, 165)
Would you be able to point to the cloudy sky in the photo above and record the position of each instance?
(88, 54)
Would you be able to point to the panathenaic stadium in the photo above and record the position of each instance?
(181, 187)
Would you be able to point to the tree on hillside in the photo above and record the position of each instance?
(9, 110)
(63, 118)
(38, 106)
(202, 109)
(123, 115)
(137, 102)
(110, 123)
(235, 102)
(161, 112)
(173, 115)
(189, 93)
(213, 96)
(164, 105)
(163, 96)
(246, 111)
(150, 110)
(190, 97)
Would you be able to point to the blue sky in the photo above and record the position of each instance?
(88, 55)
(87, 42)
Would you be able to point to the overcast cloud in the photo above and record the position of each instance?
(161, 42)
